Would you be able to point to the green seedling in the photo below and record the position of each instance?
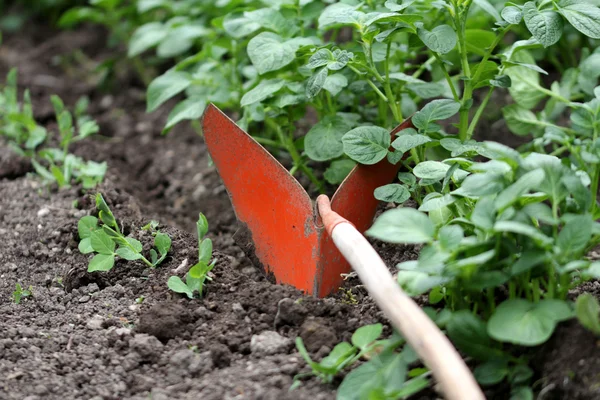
(102, 235)
(587, 310)
(19, 293)
(385, 374)
(198, 274)
(29, 139)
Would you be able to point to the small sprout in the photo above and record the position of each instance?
(198, 274)
(140, 300)
(150, 226)
(19, 293)
(102, 235)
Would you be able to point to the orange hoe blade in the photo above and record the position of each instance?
(281, 226)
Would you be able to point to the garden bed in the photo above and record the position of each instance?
(123, 334)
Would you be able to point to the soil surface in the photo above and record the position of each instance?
(123, 334)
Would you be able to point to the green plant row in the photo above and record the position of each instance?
(505, 232)
(31, 140)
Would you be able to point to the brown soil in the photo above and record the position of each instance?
(123, 334)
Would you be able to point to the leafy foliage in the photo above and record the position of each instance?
(20, 292)
(31, 140)
(198, 274)
(102, 235)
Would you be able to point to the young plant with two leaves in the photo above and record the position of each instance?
(102, 235)
(198, 274)
(33, 141)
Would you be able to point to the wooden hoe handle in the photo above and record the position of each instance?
(420, 332)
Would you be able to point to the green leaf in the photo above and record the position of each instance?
(442, 39)
(320, 58)
(262, 91)
(205, 250)
(523, 229)
(521, 393)
(335, 83)
(528, 260)
(415, 283)
(340, 353)
(512, 15)
(403, 225)
(128, 254)
(338, 171)
(201, 226)
(434, 111)
(324, 140)
(576, 234)
(520, 121)
(166, 86)
(178, 286)
(367, 144)
(407, 178)
(524, 184)
(587, 310)
(106, 214)
(340, 14)
(524, 80)
(180, 40)
(433, 170)
(406, 142)
(393, 192)
(145, 37)
(583, 16)
(384, 373)
(468, 333)
(365, 335)
(436, 201)
(525, 323)
(85, 246)
(36, 137)
(478, 40)
(269, 52)
(101, 262)
(450, 236)
(491, 372)
(101, 242)
(162, 242)
(86, 225)
(238, 26)
(188, 109)
(316, 82)
(546, 26)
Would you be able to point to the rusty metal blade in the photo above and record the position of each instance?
(273, 208)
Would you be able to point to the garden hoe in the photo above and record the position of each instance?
(306, 245)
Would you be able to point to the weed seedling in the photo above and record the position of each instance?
(197, 275)
(102, 235)
(19, 293)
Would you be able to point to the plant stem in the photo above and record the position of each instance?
(479, 113)
(423, 67)
(396, 110)
(288, 142)
(448, 79)
(594, 189)
(463, 124)
(269, 142)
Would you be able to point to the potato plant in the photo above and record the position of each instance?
(505, 232)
